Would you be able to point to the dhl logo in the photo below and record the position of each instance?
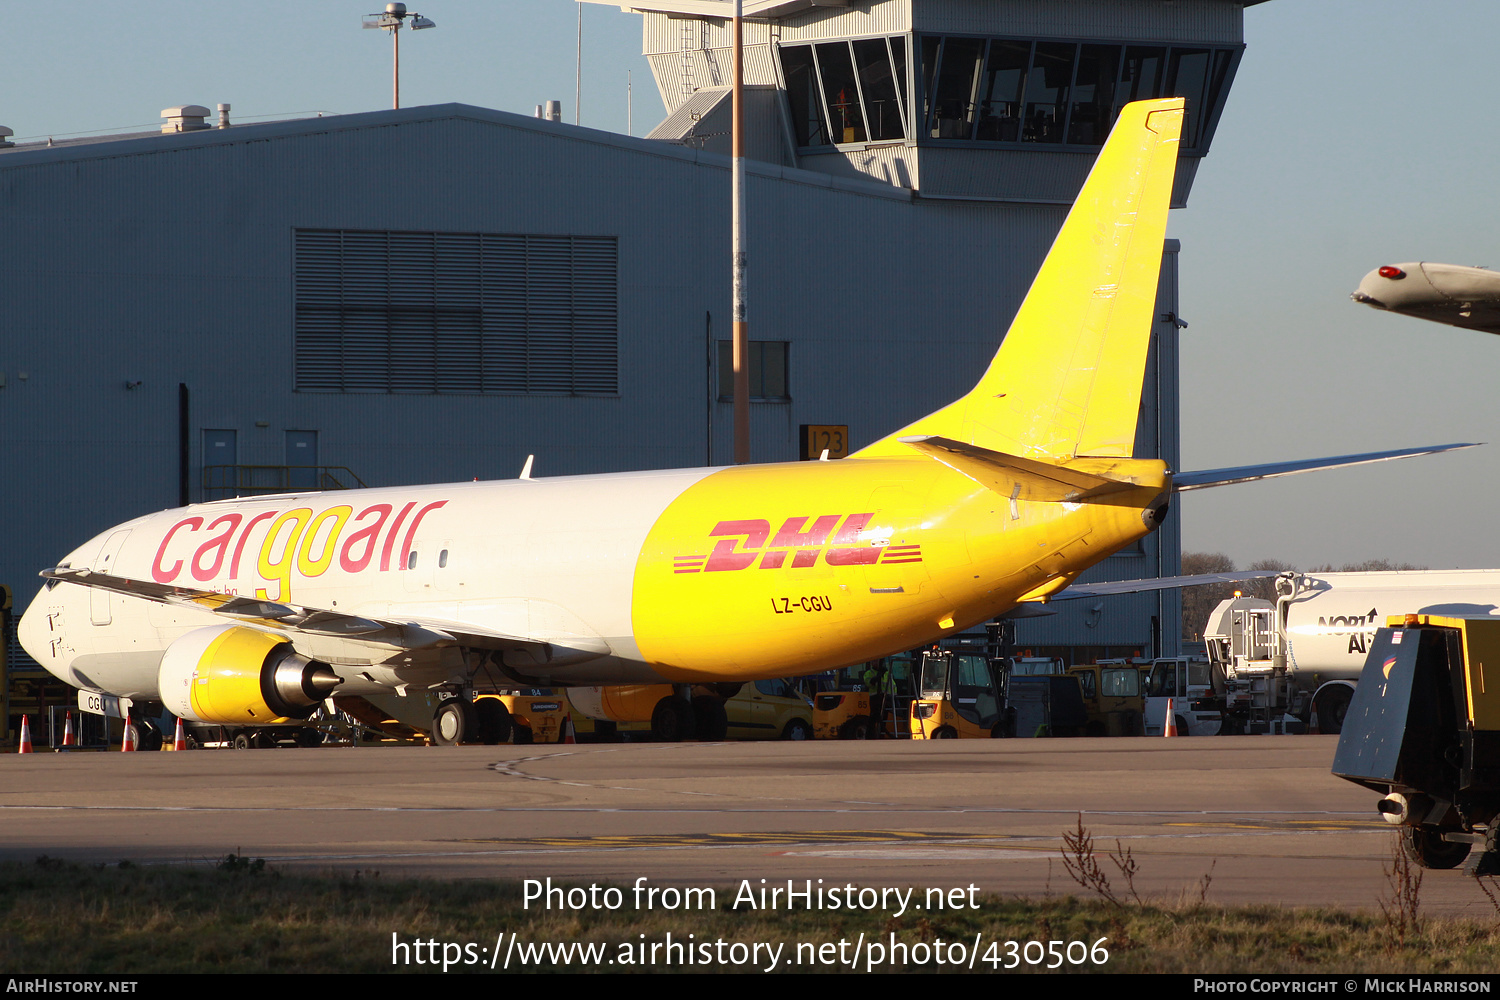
(296, 539)
(745, 542)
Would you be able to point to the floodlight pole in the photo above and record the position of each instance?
(741, 322)
(393, 19)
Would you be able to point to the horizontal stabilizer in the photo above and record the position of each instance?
(1081, 590)
(1016, 477)
(407, 633)
(1250, 473)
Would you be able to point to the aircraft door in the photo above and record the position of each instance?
(99, 600)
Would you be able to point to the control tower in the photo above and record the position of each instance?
(985, 100)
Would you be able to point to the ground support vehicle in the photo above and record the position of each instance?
(1112, 698)
(1046, 705)
(1303, 653)
(1424, 728)
(962, 695)
(770, 710)
(867, 701)
(536, 714)
(959, 696)
(1186, 683)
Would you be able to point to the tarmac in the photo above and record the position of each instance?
(1231, 820)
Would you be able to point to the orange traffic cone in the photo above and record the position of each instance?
(25, 736)
(1169, 727)
(179, 741)
(69, 740)
(568, 736)
(127, 744)
(1312, 723)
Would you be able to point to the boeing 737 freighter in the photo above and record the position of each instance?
(253, 611)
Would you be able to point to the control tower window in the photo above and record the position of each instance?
(954, 95)
(1093, 94)
(1061, 93)
(846, 92)
(804, 95)
(846, 120)
(1000, 97)
(877, 83)
(1047, 92)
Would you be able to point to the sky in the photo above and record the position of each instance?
(1356, 134)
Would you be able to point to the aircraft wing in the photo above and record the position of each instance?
(1081, 590)
(411, 633)
(1183, 481)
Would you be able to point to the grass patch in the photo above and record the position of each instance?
(239, 916)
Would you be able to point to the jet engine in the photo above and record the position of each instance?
(228, 674)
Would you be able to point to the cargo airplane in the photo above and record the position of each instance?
(254, 611)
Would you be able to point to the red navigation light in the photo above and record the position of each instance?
(1394, 273)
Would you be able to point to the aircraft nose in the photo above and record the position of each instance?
(39, 632)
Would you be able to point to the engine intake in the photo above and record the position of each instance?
(229, 674)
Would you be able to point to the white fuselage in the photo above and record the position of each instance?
(541, 558)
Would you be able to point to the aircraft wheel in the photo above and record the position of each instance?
(797, 730)
(671, 720)
(454, 722)
(713, 721)
(1333, 705)
(309, 737)
(241, 741)
(494, 721)
(1425, 846)
(945, 733)
(147, 736)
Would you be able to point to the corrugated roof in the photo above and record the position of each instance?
(147, 143)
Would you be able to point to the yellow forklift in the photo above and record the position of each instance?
(962, 695)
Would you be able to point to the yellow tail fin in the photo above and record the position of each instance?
(1067, 378)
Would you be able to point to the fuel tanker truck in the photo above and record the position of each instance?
(1303, 652)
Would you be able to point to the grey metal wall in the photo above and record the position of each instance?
(167, 259)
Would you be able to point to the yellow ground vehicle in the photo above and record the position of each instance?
(867, 701)
(536, 714)
(1113, 698)
(769, 710)
(959, 696)
(965, 696)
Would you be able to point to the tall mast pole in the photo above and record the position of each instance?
(741, 321)
(396, 67)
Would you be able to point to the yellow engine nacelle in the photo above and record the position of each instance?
(231, 674)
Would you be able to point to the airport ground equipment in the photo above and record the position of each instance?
(1046, 705)
(776, 709)
(1305, 650)
(536, 714)
(959, 696)
(1113, 698)
(867, 701)
(1424, 728)
(1187, 681)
